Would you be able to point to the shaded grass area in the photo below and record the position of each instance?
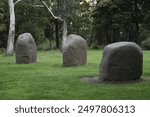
(47, 79)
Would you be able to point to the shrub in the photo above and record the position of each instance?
(2, 50)
(43, 46)
(146, 44)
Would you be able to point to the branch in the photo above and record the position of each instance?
(17, 2)
(37, 6)
(50, 10)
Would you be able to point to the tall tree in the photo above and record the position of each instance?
(119, 19)
(11, 35)
(145, 27)
(64, 12)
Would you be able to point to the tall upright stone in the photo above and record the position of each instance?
(74, 51)
(26, 50)
(122, 61)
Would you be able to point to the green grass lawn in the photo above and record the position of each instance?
(47, 79)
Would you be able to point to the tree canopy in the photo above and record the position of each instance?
(98, 21)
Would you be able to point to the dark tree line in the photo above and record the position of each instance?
(120, 20)
(100, 22)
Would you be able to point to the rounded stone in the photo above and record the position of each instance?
(26, 50)
(121, 61)
(74, 51)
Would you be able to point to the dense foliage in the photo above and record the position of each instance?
(121, 20)
(39, 22)
(100, 22)
(3, 23)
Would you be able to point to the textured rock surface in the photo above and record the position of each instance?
(122, 61)
(25, 49)
(74, 51)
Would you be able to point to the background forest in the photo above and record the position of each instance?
(100, 22)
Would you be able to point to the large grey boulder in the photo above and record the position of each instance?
(26, 50)
(122, 61)
(74, 51)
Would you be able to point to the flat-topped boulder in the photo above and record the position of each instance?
(121, 61)
(74, 51)
(26, 49)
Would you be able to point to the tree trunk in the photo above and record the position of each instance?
(56, 33)
(11, 35)
(91, 39)
(107, 37)
(50, 43)
(64, 35)
(137, 39)
(112, 34)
